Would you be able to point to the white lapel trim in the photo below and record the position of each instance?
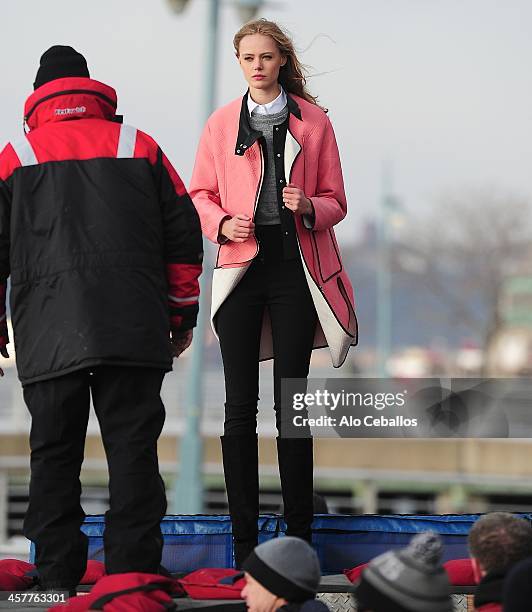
(291, 151)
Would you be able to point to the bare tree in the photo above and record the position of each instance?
(468, 243)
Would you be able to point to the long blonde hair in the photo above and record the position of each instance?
(292, 74)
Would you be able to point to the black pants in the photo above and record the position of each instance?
(131, 416)
(279, 285)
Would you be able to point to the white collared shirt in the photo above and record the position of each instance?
(275, 106)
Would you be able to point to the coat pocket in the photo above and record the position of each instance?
(327, 253)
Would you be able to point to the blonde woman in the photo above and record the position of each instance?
(268, 187)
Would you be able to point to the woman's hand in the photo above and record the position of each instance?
(295, 199)
(238, 229)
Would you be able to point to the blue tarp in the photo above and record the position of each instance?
(341, 541)
(190, 541)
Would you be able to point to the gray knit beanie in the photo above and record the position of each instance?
(411, 579)
(288, 567)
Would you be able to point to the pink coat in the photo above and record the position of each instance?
(226, 181)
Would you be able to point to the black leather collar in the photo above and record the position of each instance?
(246, 134)
(293, 107)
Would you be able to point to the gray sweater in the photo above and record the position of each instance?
(267, 212)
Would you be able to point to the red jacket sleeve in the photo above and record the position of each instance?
(8, 163)
(183, 246)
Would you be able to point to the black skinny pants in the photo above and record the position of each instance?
(279, 285)
(131, 415)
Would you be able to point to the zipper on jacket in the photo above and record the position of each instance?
(257, 195)
(261, 180)
(67, 92)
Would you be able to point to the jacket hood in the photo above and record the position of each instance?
(70, 98)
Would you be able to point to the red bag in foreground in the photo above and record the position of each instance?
(95, 570)
(131, 592)
(214, 583)
(355, 573)
(16, 575)
(459, 571)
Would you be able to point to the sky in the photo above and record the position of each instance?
(439, 89)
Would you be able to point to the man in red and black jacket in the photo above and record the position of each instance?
(103, 246)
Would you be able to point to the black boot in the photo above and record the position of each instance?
(241, 470)
(296, 464)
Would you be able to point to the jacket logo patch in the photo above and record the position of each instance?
(71, 111)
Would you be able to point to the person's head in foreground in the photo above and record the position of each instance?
(409, 580)
(497, 541)
(279, 572)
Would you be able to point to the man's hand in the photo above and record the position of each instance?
(4, 353)
(295, 199)
(238, 229)
(180, 341)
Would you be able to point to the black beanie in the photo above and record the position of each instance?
(287, 567)
(59, 62)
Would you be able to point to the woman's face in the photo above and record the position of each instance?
(260, 59)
